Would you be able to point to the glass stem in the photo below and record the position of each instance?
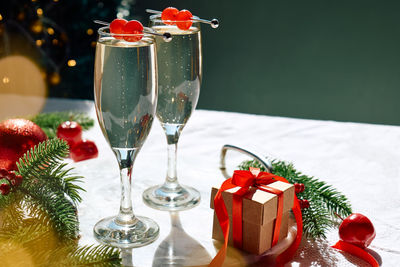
(126, 158)
(172, 132)
(171, 173)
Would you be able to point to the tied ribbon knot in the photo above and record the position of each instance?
(260, 180)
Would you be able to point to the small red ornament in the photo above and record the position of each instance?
(15, 180)
(169, 14)
(16, 137)
(304, 203)
(299, 188)
(184, 20)
(5, 189)
(358, 230)
(70, 131)
(84, 150)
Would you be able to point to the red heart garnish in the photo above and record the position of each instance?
(116, 26)
(133, 27)
(184, 19)
(168, 15)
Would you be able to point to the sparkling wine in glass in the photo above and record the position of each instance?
(179, 79)
(125, 85)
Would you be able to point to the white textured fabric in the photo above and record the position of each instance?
(360, 160)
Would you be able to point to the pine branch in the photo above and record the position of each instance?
(42, 166)
(50, 121)
(96, 256)
(47, 185)
(324, 200)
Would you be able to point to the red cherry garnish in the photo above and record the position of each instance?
(84, 150)
(358, 230)
(184, 19)
(70, 131)
(5, 189)
(116, 26)
(169, 14)
(133, 27)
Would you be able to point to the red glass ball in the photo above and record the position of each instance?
(358, 230)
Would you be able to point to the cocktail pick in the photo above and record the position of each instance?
(166, 36)
(214, 23)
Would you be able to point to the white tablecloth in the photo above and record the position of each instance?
(360, 160)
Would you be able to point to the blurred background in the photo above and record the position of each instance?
(331, 60)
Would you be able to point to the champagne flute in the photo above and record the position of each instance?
(125, 87)
(179, 79)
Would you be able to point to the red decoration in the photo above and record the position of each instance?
(116, 26)
(70, 131)
(358, 230)
(133, 27)
(169, 14)
(5, 189)
(356, 233)
(299, 188)
(121, 26)
(84, 150)
(304, 203)
(184, 20)
(16, 137)
(13, 180)
(258, 179)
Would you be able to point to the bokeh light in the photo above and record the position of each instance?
(22, 88)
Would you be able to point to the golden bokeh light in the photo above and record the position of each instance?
(54, 78)
(23, 90)
(50, 30)
(39, 11)
(39, 42)
(89, 31)
(71, 63)
(55, 42)
(93, 44)
(1, 17)
(37, 27)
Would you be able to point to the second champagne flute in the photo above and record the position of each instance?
(179, 79)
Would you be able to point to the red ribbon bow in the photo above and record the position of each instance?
(260, 180)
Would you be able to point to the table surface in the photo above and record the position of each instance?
(360, 160)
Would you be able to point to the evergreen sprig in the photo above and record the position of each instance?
(38, 219)
(50, 121)
(49, 186)
(324, 200)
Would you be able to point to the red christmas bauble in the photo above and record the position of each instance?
(357, 229)
(16, 137)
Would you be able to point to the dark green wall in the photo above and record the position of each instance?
(336, 60)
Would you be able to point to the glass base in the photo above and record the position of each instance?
(161, 197)
(145, 231)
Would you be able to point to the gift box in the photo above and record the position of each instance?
(259, 213)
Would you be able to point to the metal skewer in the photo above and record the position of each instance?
(214, 22)
(166, 36)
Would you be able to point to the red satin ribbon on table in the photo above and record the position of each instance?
(260, 180)
(356, 251)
